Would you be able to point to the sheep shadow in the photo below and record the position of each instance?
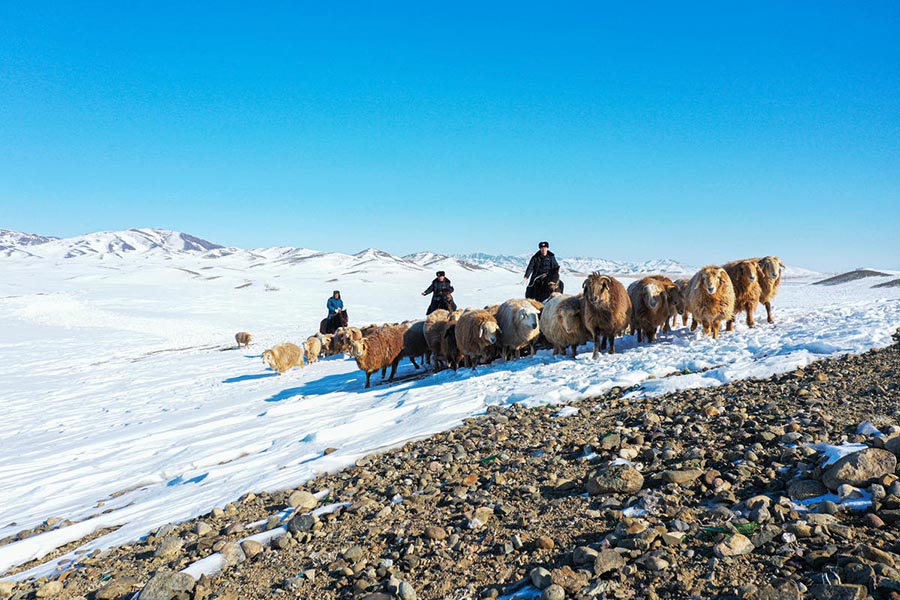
(339, 382)
(241, 378)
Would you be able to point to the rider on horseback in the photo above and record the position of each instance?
(441, 291)
(335, 307)
(542, 274)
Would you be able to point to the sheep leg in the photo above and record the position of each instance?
(596, 350)
(694, 325)
(612, 344)
(729, 326)
(368, 376)
(750, 321)
(394, 369)
(638, 332)
(574, 350)
(651, 335)
(383, 371)
(769, 317)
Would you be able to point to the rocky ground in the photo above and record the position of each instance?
(689, 495)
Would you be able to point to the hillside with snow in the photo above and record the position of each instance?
(129, 407)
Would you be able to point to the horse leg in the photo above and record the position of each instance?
(412, 359)
(394, 368)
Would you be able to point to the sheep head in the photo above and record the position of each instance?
(358, 348)
(770, 267)
(596, 289)
(711, 278)
(653, 295)
(268, 357)
(528, 318)
(749, 270)
(569, 318)
(489, 332)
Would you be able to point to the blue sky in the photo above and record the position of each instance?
(700, 133)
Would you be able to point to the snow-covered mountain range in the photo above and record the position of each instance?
(162, 243)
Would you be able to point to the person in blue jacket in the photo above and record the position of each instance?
(335, 307)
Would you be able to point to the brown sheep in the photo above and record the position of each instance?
(605, 309)
(710, 299)
(415, 344)
(770, 269)
(650, 305)
(477, 333)
(370, 328)
(435, 327)
(243, 338)
(449, 350)
(561, 323)
(492, 309)
(680, 302)
(343, 337)
(744, 275)
(326, 339)
(379, 350)
(283, 357)
(312, 348)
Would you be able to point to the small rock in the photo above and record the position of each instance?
(617, 479)
(779, 589)
(584, 555)
(435, 533)
(232, 554)
(354, 554)
(202, 529)
(608, 560)
(874, 554)
(251, 548)
(801, 489)
(873, 520)
(165, 585)
(406, 591)
(736, 545)
(540, 578)
(568, 579)
(302, 523)
(860, 468)
(170, 549)
(302, 500)
(681, 477)
(839, 592)
(544, 542)
(654, 563)
(49, 589)
(116, 588)
(553, 592)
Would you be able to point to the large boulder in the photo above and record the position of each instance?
(617, 479)
(860, 468)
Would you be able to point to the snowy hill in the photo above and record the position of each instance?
(10, 238)
(106, 244)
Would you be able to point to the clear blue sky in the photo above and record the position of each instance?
(699, 132)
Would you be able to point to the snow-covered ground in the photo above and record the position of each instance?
(127, 406)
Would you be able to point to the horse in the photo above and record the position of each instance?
(445, 301)
(331, 324)
(545, 285)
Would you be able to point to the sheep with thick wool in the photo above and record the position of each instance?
(605, 309)
(744, 275)
(243, 338)
(710, 299)
(770, 269)
(283, 357)
(561, 323)
(415, 344)
(679, 302)
(449, 350)
(436, 325)
(379, 350)
(343, 337)
(477, 333)
(519, 322)
(312, 348)
(649, 306)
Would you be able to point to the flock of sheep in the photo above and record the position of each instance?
(603, 311)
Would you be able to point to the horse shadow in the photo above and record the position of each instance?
(241, 378)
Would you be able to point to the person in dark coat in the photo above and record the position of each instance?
(441, 291)
(541, 272)
(335, 306)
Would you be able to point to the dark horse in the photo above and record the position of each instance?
(331, 324)
(544, 285)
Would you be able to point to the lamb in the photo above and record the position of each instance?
(650, 305)
(243, 338)
(519, 324)
(449, 350)
(415, 344)
(283, 357)
(562, 325)
(710, 299)
(744, 275)
(606, 310)
(769, 280)
(477, 333)
(381, 349)
(312, 348)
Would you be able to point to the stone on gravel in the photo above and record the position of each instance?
(839, 592)
(433, 532)
(860, 468)
(406, 591)
(608, 560)
(116, 588)
(232, 554)
(544, 542)
(354, 554)
(49, 589)
(801, 489)
(617, 479)
(165, 585)
(540, 578)
(170, 549)
(251, 548)
(203, 529)
(6, 588)
(779, 589)
(735, 545)
(584, 555)
(681, 477)
(553, 592)
(302, 500)
(302, 523)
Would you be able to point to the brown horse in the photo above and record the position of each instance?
(331, 324)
